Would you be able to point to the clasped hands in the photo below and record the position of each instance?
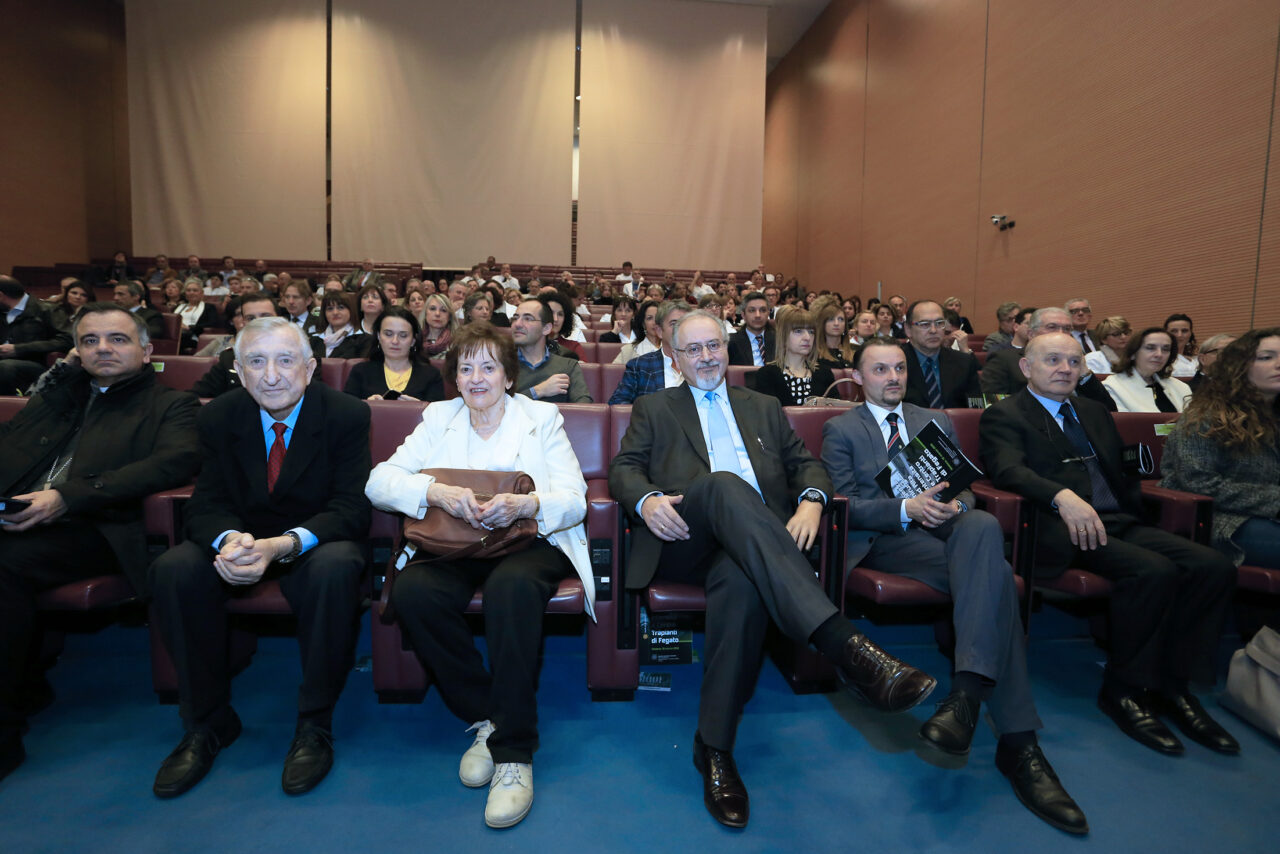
(498, 512)
(665, 522)
(243, 559)
(926, 509)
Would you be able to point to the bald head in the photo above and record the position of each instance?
(1052, 364)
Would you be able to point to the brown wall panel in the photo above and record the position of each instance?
(782, 159)
(64, 164)
(923, 143)
(1266, 307)
(1127, 141)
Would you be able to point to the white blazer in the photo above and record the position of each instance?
(1129, 391)
(545, 454)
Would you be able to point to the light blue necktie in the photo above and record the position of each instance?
(724, 456)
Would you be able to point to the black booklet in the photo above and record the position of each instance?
(924, 462)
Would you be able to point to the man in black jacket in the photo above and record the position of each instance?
(281, 493)
(27, 335)
(99, 435)
(937, 377)
(128, 295)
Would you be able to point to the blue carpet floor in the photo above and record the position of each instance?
(825, 773)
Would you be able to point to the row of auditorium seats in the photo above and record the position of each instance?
(612, 643)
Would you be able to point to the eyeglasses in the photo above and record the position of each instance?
(693, 351)
(929, 324)
(1082, 311)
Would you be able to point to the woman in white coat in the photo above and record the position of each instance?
(489, 428)
(1142, 381)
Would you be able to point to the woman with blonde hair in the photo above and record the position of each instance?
(1114, 334)
(833, 348)
(438, 326)
(794, 375)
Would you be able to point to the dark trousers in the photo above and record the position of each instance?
(431, 600)
(1169, 604)
(31, 562)
(189, 600)
(965, 559)
(753, 572)
(16, 375)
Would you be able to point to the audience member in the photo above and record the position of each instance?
(195, 314)
(1171, 595)
(864, 327)
(562, 321)
(647, 333)
(489, 427)
(899, 305)
(833, 348)
(222, 376)
(1006, 314)
(477, 307)
(28, 334)
(543, 375)
(954, 304)
(194, 270)
(343, 337)
(372, 302)
(794, 375)
(75, 296)
(158, 273)
(886, 322)
(280, 495)
(98, 436)
(1208, 354)
(119, 270)
(1081, 316)
(128, 295)
(394, 371)
(228, 269)
(1114, 334)
(171, 295)
(222, 342)
(694, 496)
(953, 334)
(755, 342)
(295, 299)
(623, 319)
(441, 323)
(415, 302)
(1227, 445)
(1142, 381)
(1005, 372)
(657, 370)
(955, 549)
(361, 277)
(937, 377)
(1185, 364)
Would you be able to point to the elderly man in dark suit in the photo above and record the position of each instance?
(98, 436)
(954, 548)
(1171, 595)
(281, 495)
(1002, 373)
(657, 370)
(221, 376)
(723, 494)
(937, 377)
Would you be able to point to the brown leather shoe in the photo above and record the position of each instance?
(871, 674)
(722, 789)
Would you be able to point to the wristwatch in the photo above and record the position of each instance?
(294, 551)
(812, 494)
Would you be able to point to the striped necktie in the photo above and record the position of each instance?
(932, 387)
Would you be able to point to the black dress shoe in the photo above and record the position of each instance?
(309, 760)
(951, 727)
(12, 754)
(1190, 717)
(1038, 787)
(870, 673)
(722, 789)
(1137, 721)
(193, 757)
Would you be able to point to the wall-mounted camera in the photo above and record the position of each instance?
(1002, 222)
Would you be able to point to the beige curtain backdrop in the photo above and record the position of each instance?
(226, 117)
(671, 147)
(453, 130)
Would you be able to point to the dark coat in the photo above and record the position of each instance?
(740, 347)
(957, 376)
(138, 438)
(321, 486)
(35, 333)
(368, 378)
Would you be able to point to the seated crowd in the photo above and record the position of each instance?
(719, 490)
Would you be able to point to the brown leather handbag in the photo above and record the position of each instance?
(439, 536)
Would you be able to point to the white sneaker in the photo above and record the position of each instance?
(476, 767)
(510, 794)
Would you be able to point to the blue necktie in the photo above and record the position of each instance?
(932, 387)
(1104, 499)
(724, 456)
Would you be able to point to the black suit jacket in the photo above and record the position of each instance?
(957, 375)
(1002, 375)
(367, 378)
(664, 451)
(1024, 451)
(138, 438)
(321, 485)
(740, 347)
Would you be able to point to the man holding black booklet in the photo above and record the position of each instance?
(957, 550)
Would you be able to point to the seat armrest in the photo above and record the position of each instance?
(1183, 513)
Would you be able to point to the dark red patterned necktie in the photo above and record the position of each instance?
(275, 459)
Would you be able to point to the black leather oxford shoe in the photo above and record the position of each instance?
(193, 757)
(309, 760)
(1038, 787)
(1190, 717)
(870, 673)
(722, 789)
(951, 727)
(1132, 714)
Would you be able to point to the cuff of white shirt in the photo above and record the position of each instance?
(645, 498)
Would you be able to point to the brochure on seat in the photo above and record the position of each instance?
(924, 462)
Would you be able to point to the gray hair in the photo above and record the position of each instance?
(193, 280)
(706, 315)
(267, 325)
(665, 309)
(1076, 299)
(1037, 319)
(1214, 342)
(1004, 309)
